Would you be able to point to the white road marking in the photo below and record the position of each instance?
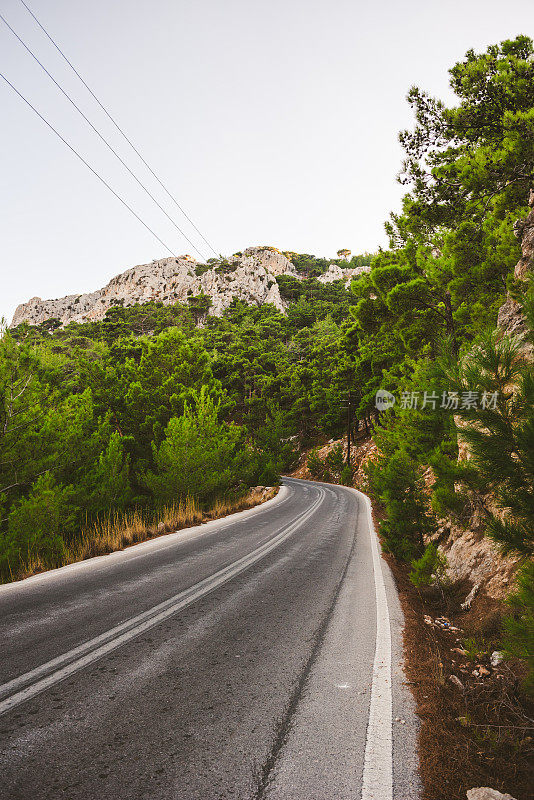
(63, 666)
(377, 783)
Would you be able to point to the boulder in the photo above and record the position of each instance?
(484, 793)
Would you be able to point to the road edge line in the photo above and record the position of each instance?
(377, 782)
(92, 650)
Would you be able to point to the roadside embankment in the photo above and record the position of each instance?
(124, 529)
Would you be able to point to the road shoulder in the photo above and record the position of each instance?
(329, 746)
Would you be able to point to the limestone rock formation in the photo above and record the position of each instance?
(249, 276)
(269, 258)
(473, 556)
(337, 273)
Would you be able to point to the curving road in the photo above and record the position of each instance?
(250, 657)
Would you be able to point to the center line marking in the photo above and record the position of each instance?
(46, 675)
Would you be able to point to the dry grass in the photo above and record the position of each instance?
(32, 565)
(123, 529)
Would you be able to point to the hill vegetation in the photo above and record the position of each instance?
(157, 403)
(147, 407)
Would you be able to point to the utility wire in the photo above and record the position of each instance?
(82, 159)
(116, 124)
(100, 136)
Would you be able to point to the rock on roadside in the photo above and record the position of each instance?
(484, 793)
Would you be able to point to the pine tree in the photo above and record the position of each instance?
(500, 438)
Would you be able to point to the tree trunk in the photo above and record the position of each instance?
(449, 322)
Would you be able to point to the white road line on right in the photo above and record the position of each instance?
(377, 783)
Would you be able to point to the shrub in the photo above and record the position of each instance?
(274, 441)
(395, 479)
(36, 527)
(199, 457)
(430, 569)
(519, 627)
(346, 475)
(110, 479)
(315, 464)
(476, 648)
(334, 459)
(269, 474)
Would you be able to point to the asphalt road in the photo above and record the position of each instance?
(254, 656)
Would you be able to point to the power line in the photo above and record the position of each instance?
(100, 136)
(82, 159)
(116, 124)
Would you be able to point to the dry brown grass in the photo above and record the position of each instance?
(123, 529)
(32, 566)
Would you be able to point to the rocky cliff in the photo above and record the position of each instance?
(510, 318)
(249, 276)
(470, 554)
(337, 273)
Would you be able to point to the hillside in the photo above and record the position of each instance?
(181, 380)
(249, 276)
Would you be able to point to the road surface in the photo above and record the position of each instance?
(257, 656)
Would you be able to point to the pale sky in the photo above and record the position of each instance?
(272, 121)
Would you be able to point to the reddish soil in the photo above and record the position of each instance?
(482, 732)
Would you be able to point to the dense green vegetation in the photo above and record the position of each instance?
(308, 266)
(148, 407)
(426, 315)
(155, 403)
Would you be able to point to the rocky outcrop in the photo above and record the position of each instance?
(337, 273)
(475, 557)
(161, 280)
(269, 258)
(469, 553)
(510, 318)
(524, 230)
(249, 276)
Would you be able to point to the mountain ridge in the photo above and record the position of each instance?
(249, 276)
